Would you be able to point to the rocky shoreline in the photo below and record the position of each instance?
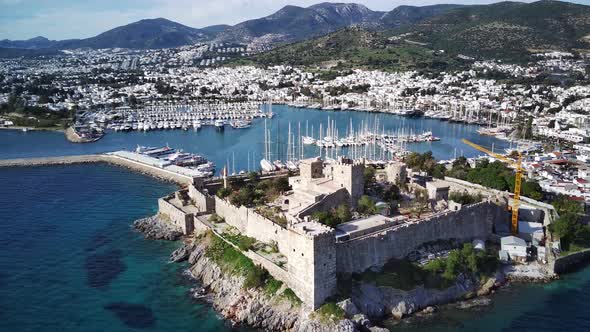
(252, 307)
(367, 303)
(154, 228)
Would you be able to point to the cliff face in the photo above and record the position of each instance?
(380, 302)
(252, 307)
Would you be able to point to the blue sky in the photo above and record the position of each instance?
(63, 19)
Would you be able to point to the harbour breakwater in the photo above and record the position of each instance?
(153, 171)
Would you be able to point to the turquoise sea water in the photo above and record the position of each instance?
(69, 260)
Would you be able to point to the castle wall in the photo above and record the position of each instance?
(205, 203)
(330, 201)
(185, 221)
(311, 260)
(234, 216)
(474, 221)
(546, 213)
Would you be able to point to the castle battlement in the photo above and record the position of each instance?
(312, 229)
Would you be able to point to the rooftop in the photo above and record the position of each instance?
(367, 225)
(311, 228)
(512, 241)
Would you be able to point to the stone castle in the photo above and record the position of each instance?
(315, 253)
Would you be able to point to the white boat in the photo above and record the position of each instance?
(219, 124)
(279, 164)
(267, 166)
(240, 124)
(307, 140)
(292, 165)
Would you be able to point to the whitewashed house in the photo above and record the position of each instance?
(515, 247)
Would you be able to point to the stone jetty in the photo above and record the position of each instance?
(108, 158)
(48, 161)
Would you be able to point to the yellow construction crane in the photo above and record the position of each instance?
(517, 180)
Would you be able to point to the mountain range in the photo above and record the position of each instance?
(504, 29)
(508, 30)
(289, 24)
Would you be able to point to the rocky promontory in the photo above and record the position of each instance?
(252, 306)
(154, 228)
(365, 305)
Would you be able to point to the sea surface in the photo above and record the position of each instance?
(246, 146)
(69, 260)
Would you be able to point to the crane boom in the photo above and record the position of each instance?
(517, 179)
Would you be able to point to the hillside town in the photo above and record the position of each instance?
(520, 103)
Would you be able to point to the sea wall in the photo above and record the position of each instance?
(571, 262)
(179, 218)
(474, 221)
(148, 169)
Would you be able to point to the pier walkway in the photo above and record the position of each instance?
(109, 158)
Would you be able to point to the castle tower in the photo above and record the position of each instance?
(348, 174)
(312, 262)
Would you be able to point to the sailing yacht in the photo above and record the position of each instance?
(265, 164)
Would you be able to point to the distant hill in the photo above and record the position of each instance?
(150, 33)
(403, 15)
(33, 43)
(26, 52)
(354, 47)
(293, 23)
(506, 30)
(289, 24)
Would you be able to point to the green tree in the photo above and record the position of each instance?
(253, 177)
(439, 171)
(325, 218)
(244, 197)
(567, 227)
(563, 205)
(532, 189)
(453, 265)
(369, 175)
(223, 192)
(281, 184)
(393, 193)
(366, 206)
(343, 213)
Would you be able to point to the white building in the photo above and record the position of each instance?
(515, 247)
